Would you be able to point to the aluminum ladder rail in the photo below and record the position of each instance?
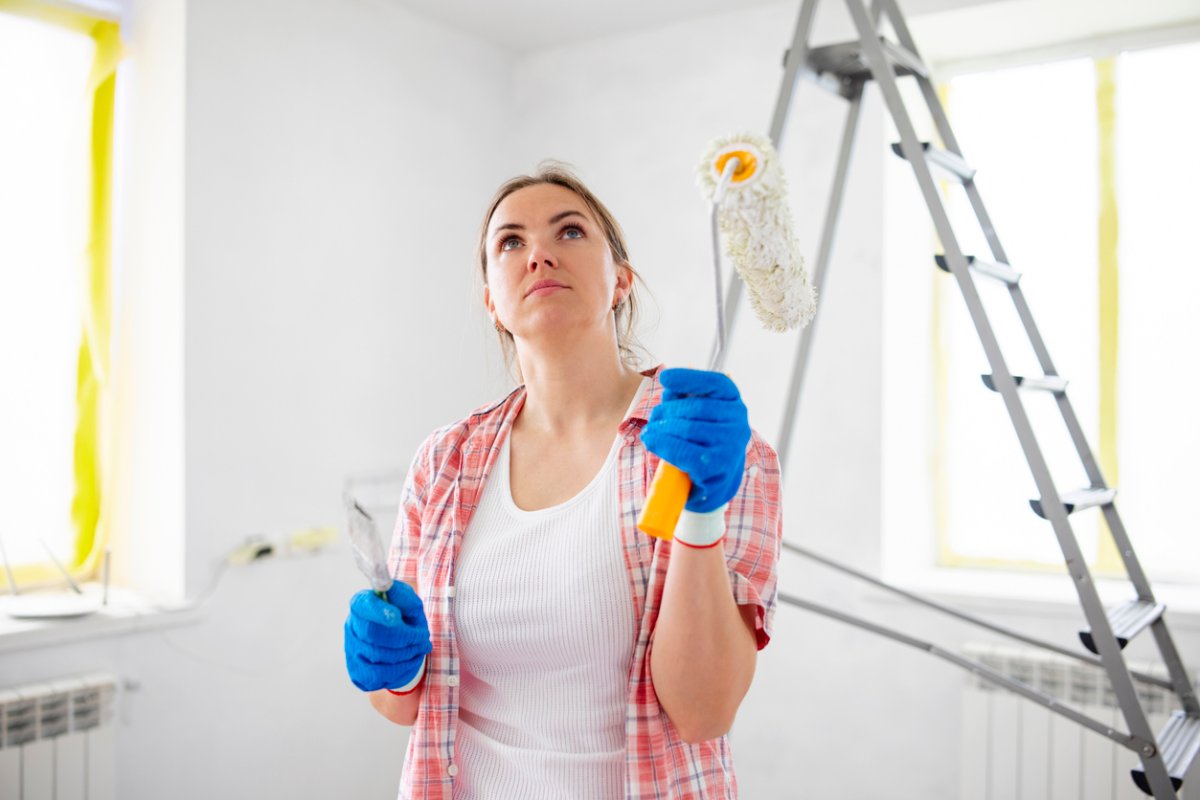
(845, 69)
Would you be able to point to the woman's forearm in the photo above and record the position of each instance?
(400, 709)
(703, 653)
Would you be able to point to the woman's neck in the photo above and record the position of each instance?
(572, 397)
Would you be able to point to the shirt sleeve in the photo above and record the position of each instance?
(406, 536)
(753, 536)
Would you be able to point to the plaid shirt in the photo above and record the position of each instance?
(443, 488)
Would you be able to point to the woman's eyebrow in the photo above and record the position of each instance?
(556, 218)
(564, 214)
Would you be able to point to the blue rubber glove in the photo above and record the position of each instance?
(386, 642)
(701, 427)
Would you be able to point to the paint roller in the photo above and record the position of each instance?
(741, 177)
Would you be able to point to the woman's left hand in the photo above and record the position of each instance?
(701, 427)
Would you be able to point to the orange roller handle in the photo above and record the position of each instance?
(665, 501)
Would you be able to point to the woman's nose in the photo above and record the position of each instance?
(539, 256)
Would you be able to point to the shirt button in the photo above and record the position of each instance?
(452, 680)
(452, 770)
(449, 591)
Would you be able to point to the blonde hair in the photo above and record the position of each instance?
(627, 313)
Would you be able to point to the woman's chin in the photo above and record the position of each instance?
(554, 329)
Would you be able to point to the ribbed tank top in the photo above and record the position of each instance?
(545, 630)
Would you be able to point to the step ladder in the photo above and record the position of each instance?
(845, 69)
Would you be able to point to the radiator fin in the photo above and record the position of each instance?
(57, 739)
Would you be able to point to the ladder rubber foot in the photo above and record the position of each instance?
(1178, 744)
(1127, 621)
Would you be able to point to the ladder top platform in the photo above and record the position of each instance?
(846, 60)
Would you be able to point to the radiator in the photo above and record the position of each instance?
(57, 740)
(1014, 749)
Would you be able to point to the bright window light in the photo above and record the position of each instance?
(1031, 134)
(43, 233)
(1158, 165)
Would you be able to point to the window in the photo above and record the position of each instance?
(1089, 171)
(1031, 133)
(56, 97)
(1158, 438)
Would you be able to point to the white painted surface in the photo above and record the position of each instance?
(948, 30)
(146, 459)
(70, 767)
(10, 772)
(37, 770)
(525, 26)
(978, 31)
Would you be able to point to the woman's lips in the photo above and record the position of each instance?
(544, 290)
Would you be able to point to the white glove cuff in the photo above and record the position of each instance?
(701, 528)
(408, 687)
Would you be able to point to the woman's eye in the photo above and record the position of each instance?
(510, 240)
(573, 229)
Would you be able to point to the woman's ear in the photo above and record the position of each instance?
(624, 278)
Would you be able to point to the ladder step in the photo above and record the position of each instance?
(1127, 621)
(1178, 744)
(846, 60)
(1048, 383)
(992, 269)
(1078, 500)
(951, 162)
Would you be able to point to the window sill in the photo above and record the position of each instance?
(982, 591)
(126, 612)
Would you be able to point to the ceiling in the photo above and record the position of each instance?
(525, 25)
(531, 25)
(521, 26)
(1070, 26)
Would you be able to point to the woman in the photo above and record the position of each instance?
(538, 642)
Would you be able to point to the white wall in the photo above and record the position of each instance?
(146, 514)
(339, 157)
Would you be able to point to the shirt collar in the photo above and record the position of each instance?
(640, 414)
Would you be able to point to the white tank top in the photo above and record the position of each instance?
(545, 630)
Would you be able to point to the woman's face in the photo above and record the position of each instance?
(545, 232)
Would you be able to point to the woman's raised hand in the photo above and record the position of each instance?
(702, 427)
